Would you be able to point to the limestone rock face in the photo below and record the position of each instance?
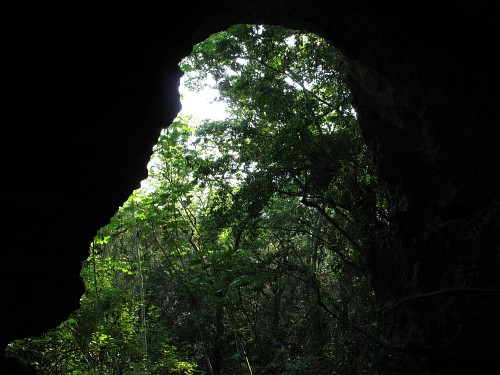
(88, 90)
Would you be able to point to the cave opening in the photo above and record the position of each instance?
(424, 82)
(246, 248)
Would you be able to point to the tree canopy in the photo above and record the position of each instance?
(245, 251)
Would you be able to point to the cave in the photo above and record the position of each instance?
(88, 89)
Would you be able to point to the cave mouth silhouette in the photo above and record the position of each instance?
(98, 239)
(424, 83)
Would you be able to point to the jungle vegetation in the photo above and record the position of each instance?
(246, 251)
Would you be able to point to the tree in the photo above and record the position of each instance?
(293, 142)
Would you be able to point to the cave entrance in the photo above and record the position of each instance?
(245, 249)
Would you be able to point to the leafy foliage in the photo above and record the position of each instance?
(245, 252)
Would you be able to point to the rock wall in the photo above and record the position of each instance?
(88, 90)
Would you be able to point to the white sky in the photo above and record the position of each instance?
(200, 104)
